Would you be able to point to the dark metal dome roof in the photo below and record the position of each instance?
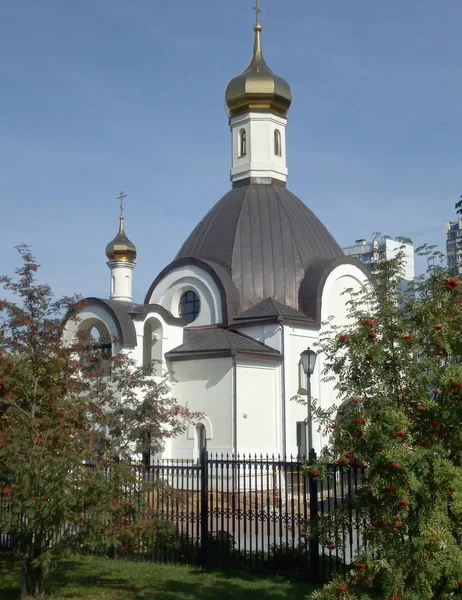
(266, 237)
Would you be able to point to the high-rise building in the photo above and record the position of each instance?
(383, 248)
(454, 246)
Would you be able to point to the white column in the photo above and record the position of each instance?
(263, 154)
(121, 280)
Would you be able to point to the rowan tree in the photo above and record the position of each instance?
(398, 370)
(71, 421)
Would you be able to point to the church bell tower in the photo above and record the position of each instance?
(258, 102)
(121, 253)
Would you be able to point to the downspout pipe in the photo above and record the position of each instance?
(283, 395)
(234, 408)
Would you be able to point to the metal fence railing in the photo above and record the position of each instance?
(258, 513)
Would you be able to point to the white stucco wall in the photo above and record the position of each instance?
(121, 280)
(333, 300)
(260, 159)
(334, 304)
(172, 336)
(258, 408)
(271, 335)
(296, 340)
(205, 386)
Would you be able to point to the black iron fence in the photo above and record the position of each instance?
(258, 513)
(5, 539)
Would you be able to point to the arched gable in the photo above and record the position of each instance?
(114, 315)
(313, 284)
(210, 280)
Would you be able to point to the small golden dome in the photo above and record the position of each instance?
(258, 88)
(121, 248)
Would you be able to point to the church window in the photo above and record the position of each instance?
(242, 142)
(190, 306)
(277, 143)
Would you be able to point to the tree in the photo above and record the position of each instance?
(403, 239)
(458, 206)
(71, 421)
(398, 370)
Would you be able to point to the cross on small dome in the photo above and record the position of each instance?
(121, 248)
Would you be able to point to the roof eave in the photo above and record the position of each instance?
(274, 320)
(205, 354)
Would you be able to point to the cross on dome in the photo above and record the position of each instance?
(257, 10)
(121, 197)
(258, 89)
(121, 248)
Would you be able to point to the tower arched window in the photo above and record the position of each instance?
(242, 142)
(277, 143)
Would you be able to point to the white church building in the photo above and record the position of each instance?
(244, 296)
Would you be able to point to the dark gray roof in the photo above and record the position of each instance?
(266, 237)
(270, 309)
(213, 342)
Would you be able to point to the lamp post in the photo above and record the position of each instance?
(308, 360)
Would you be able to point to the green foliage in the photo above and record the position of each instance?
(285, 558)
(70, 423)
(142, 536)
(458, 206)
(398, 372)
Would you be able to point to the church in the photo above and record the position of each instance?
(245, 295)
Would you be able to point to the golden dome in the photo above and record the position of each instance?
(258, 88)
(121, 248)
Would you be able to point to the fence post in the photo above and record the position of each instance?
(314, 510)
(204, 549)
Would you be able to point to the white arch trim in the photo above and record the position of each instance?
(205, 421)
(169, 290)
(88, 318)
(352, 277)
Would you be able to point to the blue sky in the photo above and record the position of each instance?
(104, 95)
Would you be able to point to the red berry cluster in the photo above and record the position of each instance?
(452, 283)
